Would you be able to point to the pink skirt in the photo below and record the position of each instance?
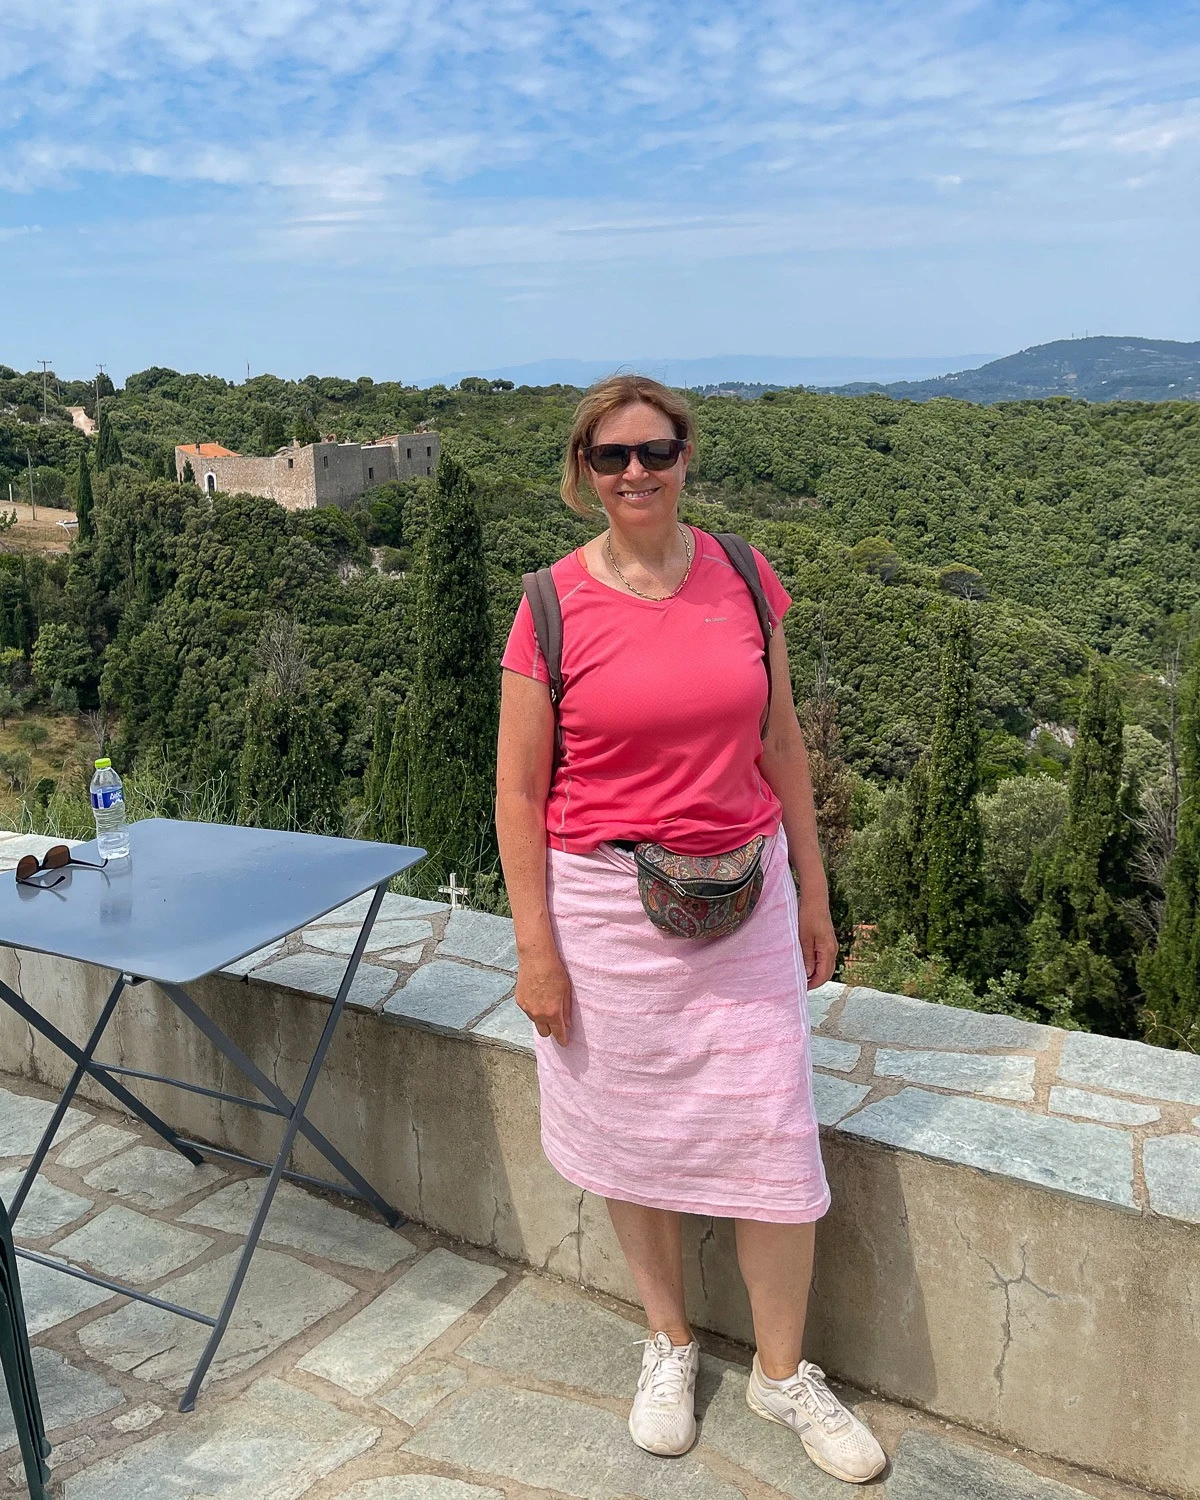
(686, 1083)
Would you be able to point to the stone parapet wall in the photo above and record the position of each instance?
(1014, 1241)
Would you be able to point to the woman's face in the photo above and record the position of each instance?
(638, 495)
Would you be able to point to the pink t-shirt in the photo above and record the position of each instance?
(661, 707)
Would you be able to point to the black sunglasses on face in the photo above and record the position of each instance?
(55, 858)
(613, 458)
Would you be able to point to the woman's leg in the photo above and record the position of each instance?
(776, 1262)
(652, 1239)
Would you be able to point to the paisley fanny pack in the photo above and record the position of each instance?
(698, 895)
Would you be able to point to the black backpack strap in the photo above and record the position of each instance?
(737, 549)
(546, 610)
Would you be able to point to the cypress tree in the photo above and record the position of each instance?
(393, 814)
(1171, 974)
(953, 838)
(1081, 945)
(381, 744)
(189, 474)
(289, 776)
(108, 449)
(83, 497)
(452, 705)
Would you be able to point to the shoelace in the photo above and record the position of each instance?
(668, 1376)
(816, 1398)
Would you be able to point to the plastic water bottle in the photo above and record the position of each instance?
(108, 808)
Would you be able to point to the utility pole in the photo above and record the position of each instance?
(29, 465)
(45, 364)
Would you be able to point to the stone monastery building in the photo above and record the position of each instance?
(324, 473)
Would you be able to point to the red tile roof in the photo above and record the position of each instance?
(206, 450)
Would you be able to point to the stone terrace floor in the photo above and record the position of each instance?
(366, 1364)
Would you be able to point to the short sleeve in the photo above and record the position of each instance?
(778, 598)
(522, 653)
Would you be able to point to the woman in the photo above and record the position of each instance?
(674, 1072)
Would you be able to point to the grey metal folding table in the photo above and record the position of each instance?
(190, 899)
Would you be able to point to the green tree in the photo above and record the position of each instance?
(875, 554)
(61, 657)
(394, 807)
(452, 706)
(373, 777)
(953, 838)
(189, 474)
(83, 497)
(1081, 944)
(1171, 974)
(306, 430)
(108, 449)
(272, 432)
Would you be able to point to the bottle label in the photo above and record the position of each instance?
(105, 797)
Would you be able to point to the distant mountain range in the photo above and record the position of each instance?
(1096, 369)
(725, 369)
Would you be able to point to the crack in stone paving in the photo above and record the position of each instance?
(575, 1234)
(416, 1134)
(1006, 1284)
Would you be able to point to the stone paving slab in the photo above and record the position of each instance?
(23, 1121)
(281, 1297)
(364, 1354)
(1089, 1106)
(550, 1332)
(1172, 1167)
(152, 1178)
(418, 1487)
(874, 1016)
(392, 908)
(138, 1418)
(827, 1053)
(416, 1396)
(507, 1023)
(1130, 1067)
(304, 1222)
(391, 934)
(322, 974)
(51, 1297)
(968, 1072)
(927, 1467)
(480, 936)
(771, 1453)
(834, 1098)
(47, 1209)
(273, 1443)
(130, 1247)
(553, 1443)
(449, 994)
(821, 1000)
(1090, 1161)
(95, 1145)
(67, 1395)
(242, 966)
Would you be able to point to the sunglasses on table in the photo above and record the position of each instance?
(58, 857)
(613, 458)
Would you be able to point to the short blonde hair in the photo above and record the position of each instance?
(605, 397)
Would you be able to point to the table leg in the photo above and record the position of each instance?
(295, 1124)
(56, 1119)
(96, 1071)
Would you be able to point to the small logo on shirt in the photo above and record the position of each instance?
(714, 619)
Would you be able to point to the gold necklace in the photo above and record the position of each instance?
(654, 598)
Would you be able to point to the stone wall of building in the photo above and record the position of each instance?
(325, 473)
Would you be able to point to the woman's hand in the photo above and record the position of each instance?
(544, 994)
(817, 940)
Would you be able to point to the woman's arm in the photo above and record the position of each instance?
(524, 763)
(785, 767)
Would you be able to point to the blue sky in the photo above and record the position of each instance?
(405, 187)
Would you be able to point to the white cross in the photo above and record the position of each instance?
(454, 891)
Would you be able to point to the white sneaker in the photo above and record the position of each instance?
(833, 1437)
(663, 1418)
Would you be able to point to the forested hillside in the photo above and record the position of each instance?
(270, 666)
(1096, 369)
